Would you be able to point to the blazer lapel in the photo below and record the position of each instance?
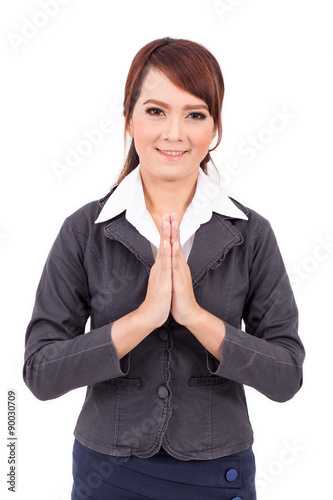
(121, 230)
(211, 243)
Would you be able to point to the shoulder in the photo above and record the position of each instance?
(255, 223)
(256, 231)
(83, 219)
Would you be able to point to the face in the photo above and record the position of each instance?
(172, 129)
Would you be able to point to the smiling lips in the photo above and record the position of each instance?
(171, 154)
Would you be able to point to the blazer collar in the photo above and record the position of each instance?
(211, 243)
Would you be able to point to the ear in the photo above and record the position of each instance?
(214, 133)
(130, 128)
(214, 130)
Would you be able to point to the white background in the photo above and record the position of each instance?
(68, 75)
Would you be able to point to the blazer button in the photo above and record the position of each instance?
(231, 475)
(237, 498)
(163, 334)
(163, 392)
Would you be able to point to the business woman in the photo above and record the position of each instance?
(167, 267)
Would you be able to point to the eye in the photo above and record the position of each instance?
(154, 111)
(197, 116)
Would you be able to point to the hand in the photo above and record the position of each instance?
(170, 282)
(207, 328)
(184, 306)
(157, 304)
(169, 288)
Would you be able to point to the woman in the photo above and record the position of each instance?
(166, 266)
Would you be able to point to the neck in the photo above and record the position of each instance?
(166, 196)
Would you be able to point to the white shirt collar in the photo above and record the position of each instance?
(209, 197)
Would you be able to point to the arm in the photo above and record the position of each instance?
(209, 330)
(270, 354)
(59, 357)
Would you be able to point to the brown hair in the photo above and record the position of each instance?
(191, 67)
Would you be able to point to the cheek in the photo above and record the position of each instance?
(203, 139)
(144, 133)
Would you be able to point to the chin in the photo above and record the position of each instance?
(168, 170)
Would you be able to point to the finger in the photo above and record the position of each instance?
(165, 226)
(166, 256)
(174, 228)
(164, 248)
(166, 235)
(175, 237)
(165, 231)
(175, 255)
(181, 274)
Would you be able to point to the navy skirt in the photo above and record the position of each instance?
(161, 477)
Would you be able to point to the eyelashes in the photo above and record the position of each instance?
(198, 116)
(195, 115)
(154, 111)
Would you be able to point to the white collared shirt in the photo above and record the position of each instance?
(209, 197)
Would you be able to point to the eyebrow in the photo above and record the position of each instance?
(187, 107)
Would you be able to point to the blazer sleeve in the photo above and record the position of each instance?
(269, 354)
(59, 355)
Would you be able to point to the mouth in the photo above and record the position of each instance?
(171, 154)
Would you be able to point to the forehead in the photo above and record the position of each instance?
(157, 85)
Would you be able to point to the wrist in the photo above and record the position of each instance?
(209, 330)
(196, 318)
(145, 319)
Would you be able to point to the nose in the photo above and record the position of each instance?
(174, 129)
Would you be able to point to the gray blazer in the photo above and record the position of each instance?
(168, 390)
